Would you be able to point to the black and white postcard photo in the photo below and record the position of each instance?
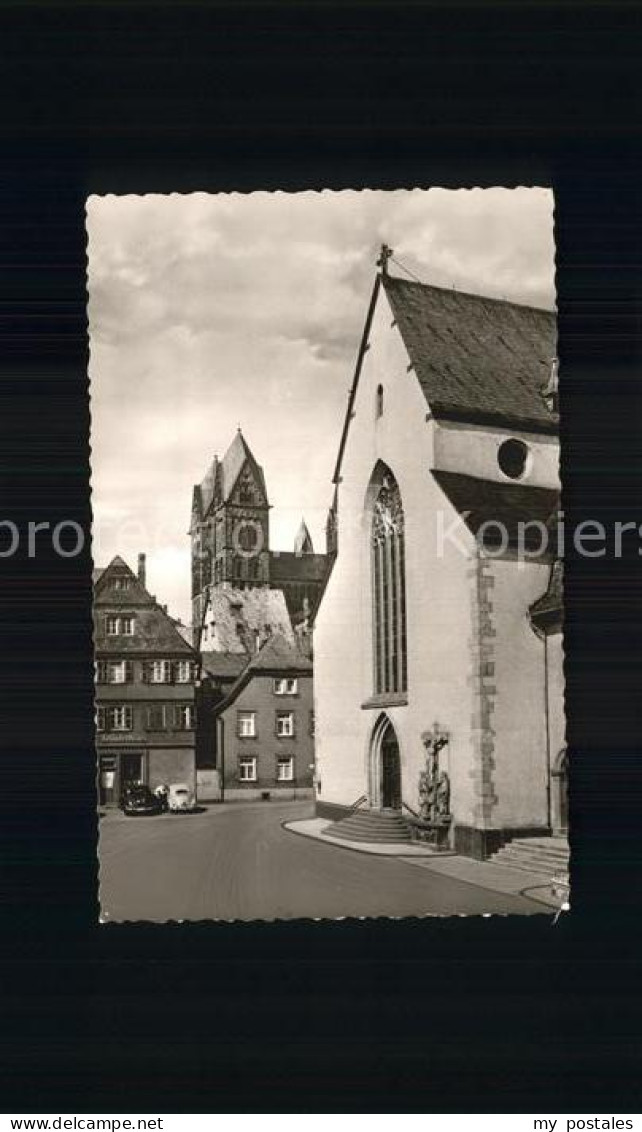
(328, 551)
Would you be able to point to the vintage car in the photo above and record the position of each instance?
(180, 798)
(138, 801)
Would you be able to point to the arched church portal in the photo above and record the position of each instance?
(385, 766)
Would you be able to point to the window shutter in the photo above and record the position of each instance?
(129, 671)
(101, 719)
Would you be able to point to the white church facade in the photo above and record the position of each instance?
(425, 643)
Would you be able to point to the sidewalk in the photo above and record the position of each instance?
(483, 874)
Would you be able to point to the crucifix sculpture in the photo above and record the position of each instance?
(434, 783)
(384, 256)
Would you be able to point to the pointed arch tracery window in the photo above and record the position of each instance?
(389, 589)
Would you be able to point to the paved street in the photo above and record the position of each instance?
(237, 862)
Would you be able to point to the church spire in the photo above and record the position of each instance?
(303, 541)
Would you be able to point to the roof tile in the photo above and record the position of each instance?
(477, 358)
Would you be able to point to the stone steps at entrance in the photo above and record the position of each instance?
(546, 855)
(374, 826)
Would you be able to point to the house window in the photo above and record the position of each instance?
(285, 768)
(121, 583)
(160, 672)
(246, 724)
(113, 671)
(120, 718)
(286, 687)
(247, 768)
(389, 588)
(184, 672)
(156, 717)
(184, 717)
(285, 724)
(115, 625)
(119, 671)
(379, 402)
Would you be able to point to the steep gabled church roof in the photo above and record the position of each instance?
(288, 566)
(477, 359)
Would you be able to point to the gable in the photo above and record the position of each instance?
(239, 467)
(118, 585)
(248, 487)
(154, 628)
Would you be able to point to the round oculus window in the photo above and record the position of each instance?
(512, 457)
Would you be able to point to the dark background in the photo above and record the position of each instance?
(428, 1016)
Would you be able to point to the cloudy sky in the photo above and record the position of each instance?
(208, 312)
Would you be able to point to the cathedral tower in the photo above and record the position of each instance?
(230, 526)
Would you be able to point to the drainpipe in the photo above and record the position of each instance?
(221, 747)
(548, 735)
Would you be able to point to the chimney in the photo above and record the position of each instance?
(141, 569)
